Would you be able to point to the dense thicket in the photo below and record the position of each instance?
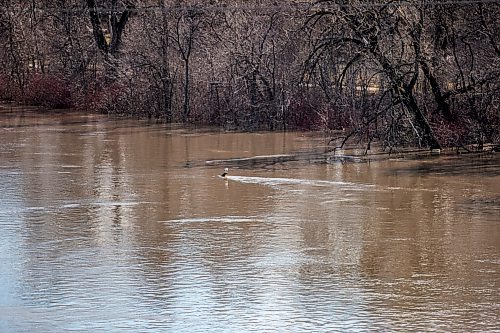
(408, 72)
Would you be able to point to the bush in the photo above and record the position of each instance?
(6, 88)
(105, 99)
(47, 90)
(304, 112)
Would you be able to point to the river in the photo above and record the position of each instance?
(124, 226)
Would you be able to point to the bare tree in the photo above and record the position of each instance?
(188, 24)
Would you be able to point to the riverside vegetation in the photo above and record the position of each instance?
(396, 72)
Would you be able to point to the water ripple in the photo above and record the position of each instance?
(293, 181)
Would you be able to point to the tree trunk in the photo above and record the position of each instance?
(428, 136)
(115, 26)
(186, 107)
(405, 92)
(165, 73)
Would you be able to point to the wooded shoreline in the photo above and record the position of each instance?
(327, 150)
(400, 74)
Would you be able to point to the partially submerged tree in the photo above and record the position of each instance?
(379, 35)
(391, 42)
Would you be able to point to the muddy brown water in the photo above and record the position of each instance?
(124, 226)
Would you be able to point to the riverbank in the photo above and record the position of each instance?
(324, 150)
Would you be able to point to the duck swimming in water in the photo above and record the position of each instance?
(224, 174)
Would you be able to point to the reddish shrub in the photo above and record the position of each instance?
(305, 112)
(6, 87)
(47, 90)
(462, 131)
(104, 99)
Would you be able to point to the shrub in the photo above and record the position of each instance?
(304, 111)
(6, 87)
(104, 99)
(47, 90)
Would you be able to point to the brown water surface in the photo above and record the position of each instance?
(124, 226)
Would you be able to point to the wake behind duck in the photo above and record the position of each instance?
(279, 181)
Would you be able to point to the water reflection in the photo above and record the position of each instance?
(119, 226)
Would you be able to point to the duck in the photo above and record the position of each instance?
(224, 174)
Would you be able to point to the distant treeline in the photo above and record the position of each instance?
(398, 72)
